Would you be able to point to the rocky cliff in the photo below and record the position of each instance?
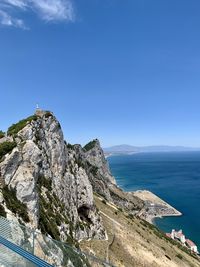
(68, 193)
(53, 181)
(44, 175)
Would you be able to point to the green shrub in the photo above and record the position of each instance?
(6, 147)
(91, 168)
(79, 162)
(94, 170)
(179, 256)
(130, 216)
(82, 227)
(50, 210)
(2, 134)
(90, 145)
(2, 211)
(47, 219)
(69, 146)
(70, 240)
(48, 114)
(14, 204)
(15, 128)
(43, 181)
(59, 219)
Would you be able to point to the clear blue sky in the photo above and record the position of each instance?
(124, 71)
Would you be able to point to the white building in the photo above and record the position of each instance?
(191, 245)
(181, 237)
(178, 235)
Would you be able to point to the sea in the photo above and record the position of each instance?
(173, 176)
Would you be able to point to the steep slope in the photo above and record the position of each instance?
(45, 177)
(133, 242)
(55, 180)
(68, 193)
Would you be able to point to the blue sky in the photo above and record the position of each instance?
(124, 71)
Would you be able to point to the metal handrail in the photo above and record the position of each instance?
(33, 236)
(25, 254)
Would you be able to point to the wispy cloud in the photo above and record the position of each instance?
(47, 10)
(7, 20)
(16, 3)
(54, 9)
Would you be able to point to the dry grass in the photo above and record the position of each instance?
(130, 243)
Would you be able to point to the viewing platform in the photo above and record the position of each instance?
(24, 247)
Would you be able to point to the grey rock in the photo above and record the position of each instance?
(42, 152)
(95, 157)
(56, 182)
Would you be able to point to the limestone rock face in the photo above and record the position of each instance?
(95, 157)
(48, 185)
(91, 159)
(46, 176)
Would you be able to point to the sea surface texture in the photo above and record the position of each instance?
(175, 177)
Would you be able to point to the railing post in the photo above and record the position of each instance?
(33, 242)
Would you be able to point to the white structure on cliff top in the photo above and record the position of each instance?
(39, 112)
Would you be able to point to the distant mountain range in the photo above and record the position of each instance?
(128, 149)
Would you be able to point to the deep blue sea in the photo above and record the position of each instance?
(175, 177)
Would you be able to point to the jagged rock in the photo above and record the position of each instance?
(92, 158)
(95, 157)
(41, 153)
(48, 184)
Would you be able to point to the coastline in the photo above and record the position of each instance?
(112, 154)
(155, 207)
(134, 186)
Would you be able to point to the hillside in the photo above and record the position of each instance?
(128, 149)
(68, 193)
(133, 242)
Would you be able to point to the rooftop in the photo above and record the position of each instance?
(168, 235)
(190, 243)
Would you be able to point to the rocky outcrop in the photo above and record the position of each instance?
(92, 159)
(95, 156)
(45, 176)
(49, 184)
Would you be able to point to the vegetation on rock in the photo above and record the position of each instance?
(14, 204)
(69, 146)
(2, 211)
(15, 128)
(48, 114)
(6, 147)
(90, 145)
(2, 134)
(43, 181)
(47, 217)
(51, 211)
